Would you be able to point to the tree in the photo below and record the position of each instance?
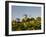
(38, 18)
(13, 25)
(25, 18)
(18, 20)
(32, 19)
(25, 15)
(28, 20)
(38, 23)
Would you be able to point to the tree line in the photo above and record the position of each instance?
(26, 24)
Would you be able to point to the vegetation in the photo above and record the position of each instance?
(26, 24)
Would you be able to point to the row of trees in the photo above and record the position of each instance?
(26, 24)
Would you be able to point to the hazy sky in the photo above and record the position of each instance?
(20, 11)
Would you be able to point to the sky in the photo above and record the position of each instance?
(20, 11)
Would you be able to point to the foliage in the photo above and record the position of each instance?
(29, 24)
